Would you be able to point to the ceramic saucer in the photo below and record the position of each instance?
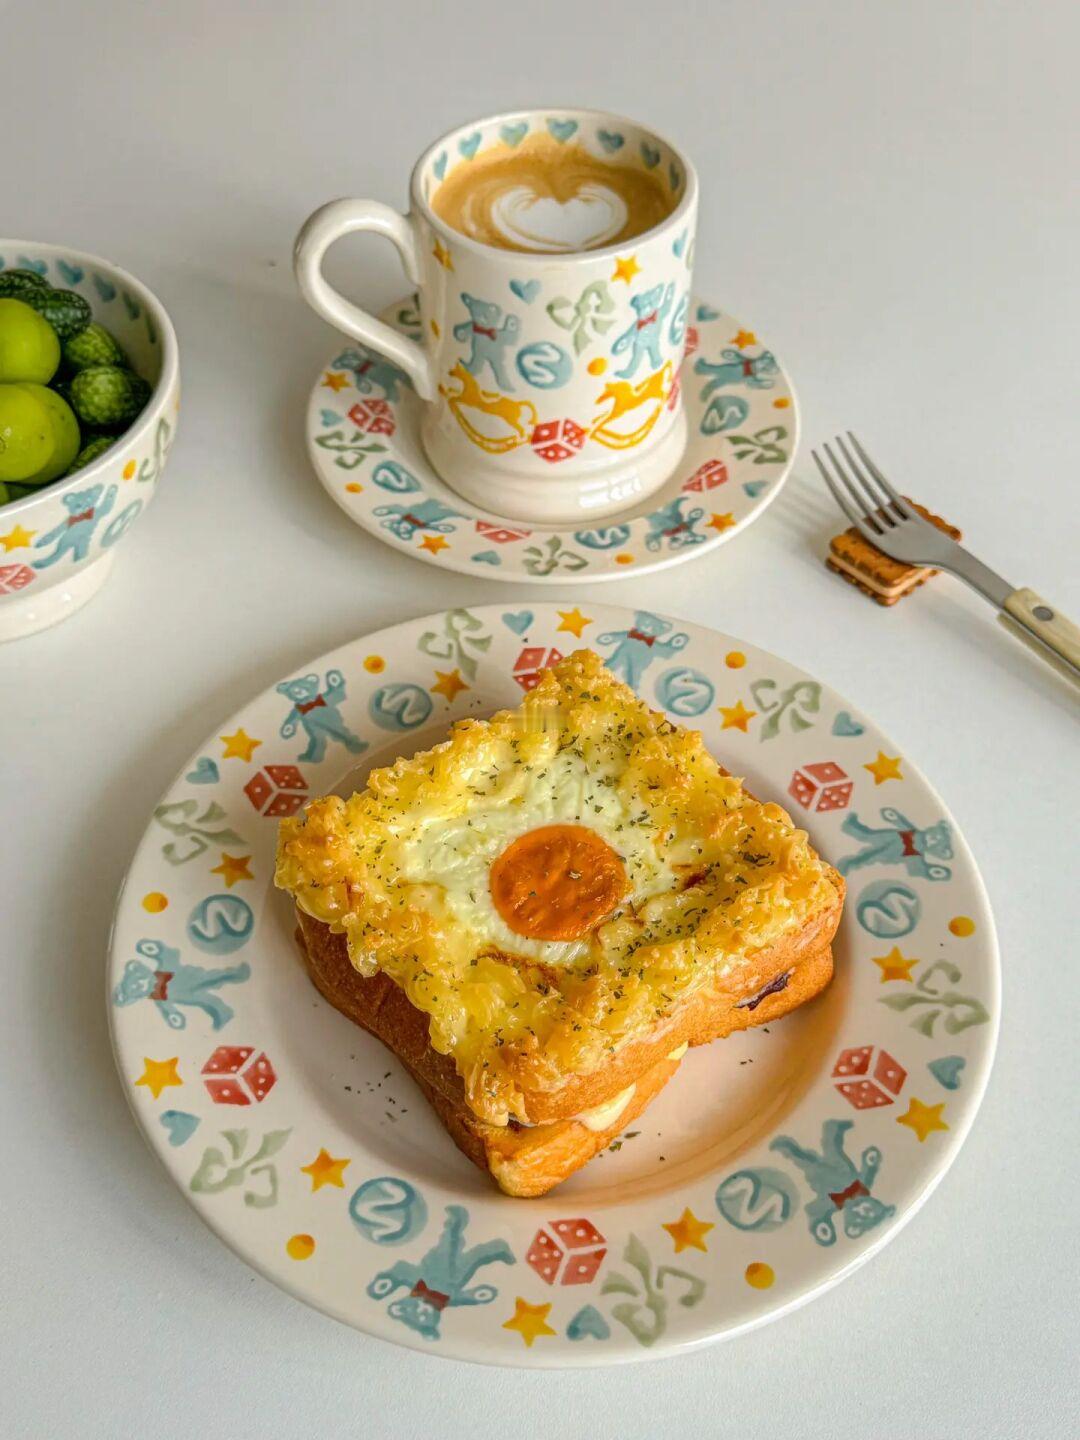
(773, 1165)
(363, 432)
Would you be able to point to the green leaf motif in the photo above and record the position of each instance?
(255, 1175)
(956, 1011)
(351, 453)
(551, 556)
(763, 445)
(196, 829)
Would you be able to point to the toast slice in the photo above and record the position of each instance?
(710, 911)
(523, 1160)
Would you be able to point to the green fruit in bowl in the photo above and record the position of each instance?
(29, 349)
(65, 311)
(18, 282)
(108, 396)
(39, 436)
(92, 346)
(89, 453)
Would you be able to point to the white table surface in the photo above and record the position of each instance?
(889, 197)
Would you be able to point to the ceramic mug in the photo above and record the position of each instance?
(549, 380)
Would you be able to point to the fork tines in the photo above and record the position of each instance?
(873, 508)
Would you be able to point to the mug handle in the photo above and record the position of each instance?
(320, 230)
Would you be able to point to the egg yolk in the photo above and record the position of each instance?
(557, 882)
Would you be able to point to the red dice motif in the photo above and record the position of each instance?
(282, 786)
(557, 440)
(693, 340)
(567, 1252)
(530, 662)
(500, 534)
(233, 1080)
(15, 577)
(821, 787)
(863, 1093)
(373, 417)
(708, 477)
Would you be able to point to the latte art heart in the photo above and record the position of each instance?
(593, 217)
(549, 198)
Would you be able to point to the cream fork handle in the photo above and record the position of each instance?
(1048, 627)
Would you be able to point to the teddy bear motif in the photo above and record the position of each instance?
(902, 844)
(643, 337)
(369, 370)
(315, 710)
(405, 520)
(440, 1279)
(170, 983)
(839, 1188)
(670, 529)
(86, 510)
(489, 333)
(637, 648)
(737, 368)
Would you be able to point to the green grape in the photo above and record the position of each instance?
(27, 441)
(65, 311)
(92, 346)
(29, 349)
(107, 397)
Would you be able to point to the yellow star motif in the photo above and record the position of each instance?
(239, 746)
(894, 966)
(689, 1232)
(450, 685)
(442, 255)
(157, 1074)
(573, 621)
(233, 868)
(17, 539)
(722, 522)
(626, 269)
(529, 1320)
(736, 717)
(334, 380)
(433, 544)
(325, 1170)
(923, 1119)
(885, 767)
(744, 337)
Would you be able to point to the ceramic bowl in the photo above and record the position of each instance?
(57, 546)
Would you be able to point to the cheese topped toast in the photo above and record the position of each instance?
(568, 892)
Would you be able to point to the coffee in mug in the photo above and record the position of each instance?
(543, 197)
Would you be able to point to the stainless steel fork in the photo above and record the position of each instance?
(892, 525)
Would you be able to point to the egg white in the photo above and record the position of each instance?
(456, 852)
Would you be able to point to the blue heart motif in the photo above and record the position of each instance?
(487, 557)
(514, 134)
(439, 168)
(674, 178)
(611, 140)
(205, 772)
(180, 1125)
(588, 1323)
(845, 726)
(526, 290)
(679, 245)
(650, 155)
(39, 267)
(518, 621)
(706, 312)
(946, 1071)
(329, 417)
(71, 273)
(105, 288)
(470, 144)
(562, 129)
(753, 488)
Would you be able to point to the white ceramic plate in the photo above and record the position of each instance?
(774, 1163)
(363, 433)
